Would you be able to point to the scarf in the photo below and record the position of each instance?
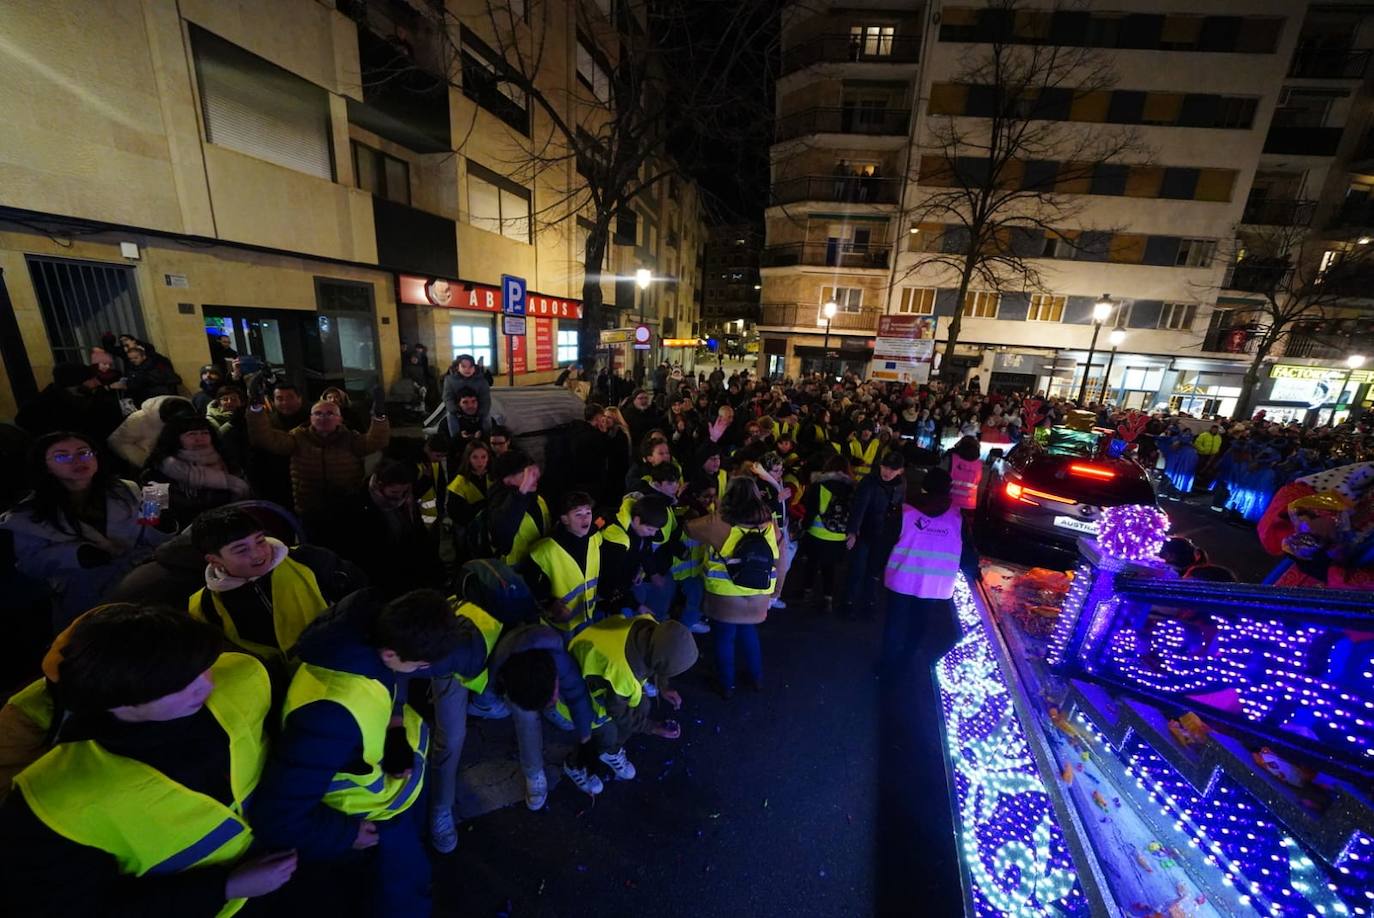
(204, 457)
(218, 580)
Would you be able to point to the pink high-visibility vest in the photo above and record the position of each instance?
(925, 559)
(966, 473)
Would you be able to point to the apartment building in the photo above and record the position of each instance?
(730, 305)
(319, 181)
(1238, 113)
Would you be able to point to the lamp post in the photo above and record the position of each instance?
(829, 310)
(1114, 339)
(1352, 363)
(643, 276)
(1102, 311)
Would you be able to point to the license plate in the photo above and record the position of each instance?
(1077, 525)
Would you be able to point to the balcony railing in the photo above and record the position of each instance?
(1300, 344)
(835, 253)
(1257, 275)
(1303, 141)
(410, 239)
(806, 316)
(1329, 65)
(847, 189)
(847, 49)
(846, 120)
(1278, 212)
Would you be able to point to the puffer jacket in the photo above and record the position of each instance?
(323, 470)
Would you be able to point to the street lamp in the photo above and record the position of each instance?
(643, 276)
(828, 310)
(1352, 363)
(1102, 311)
(1114, 339)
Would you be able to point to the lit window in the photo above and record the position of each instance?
(474, 340)
(848, 299)
(1177, 316)
(871, 41)
(981, 304)
(917, 301)
(567, 346)
(1045, 307)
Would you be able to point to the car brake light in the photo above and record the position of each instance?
(1014, 490)
(1091, 471)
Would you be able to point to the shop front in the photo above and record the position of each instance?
(457, 317)
(1313, 394)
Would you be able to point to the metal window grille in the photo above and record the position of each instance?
(81, 300)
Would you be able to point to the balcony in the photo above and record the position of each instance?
(843, 189)
(1303, 343)
(846, 49)
(805, 315)
(405, 91)
(1278, 212)
(847, 120)
(1303, 141)
(835, 253)
(1257, 275)
(413, 240)
(1316, 64)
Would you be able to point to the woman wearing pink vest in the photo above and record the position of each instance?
(965, 471)
(921, 569)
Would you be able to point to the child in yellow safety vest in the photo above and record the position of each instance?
(563, 570)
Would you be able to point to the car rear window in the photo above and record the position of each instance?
(1055, 475)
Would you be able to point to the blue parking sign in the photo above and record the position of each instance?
(512, 295)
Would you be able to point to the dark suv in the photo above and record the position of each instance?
(1054, 492)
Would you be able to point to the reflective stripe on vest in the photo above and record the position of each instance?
(571, 585)
(718, 575)
(925, 559)
(296, 602)
(864, 456)
(490, 629)
(149, 823)
(817, 528)
(599, 650)
(691, 563)
(965, 475)
(529, 532)
(372, 794)
(429, 500)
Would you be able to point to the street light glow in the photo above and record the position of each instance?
(830, 308)
(1355, 361)
(642, 278)
(1102, 309)
(1116, 337)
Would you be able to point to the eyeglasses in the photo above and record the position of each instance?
(65, 458)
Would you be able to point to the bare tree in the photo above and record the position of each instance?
(1308, 289)
(1002, 168)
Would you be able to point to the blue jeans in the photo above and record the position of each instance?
(866, 563)
(727, 635)
(657, 598)
(693, 592)
(401, 865)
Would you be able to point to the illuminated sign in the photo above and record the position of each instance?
(1297, 371)
(423, 291)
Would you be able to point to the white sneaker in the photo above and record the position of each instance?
(777, 604)
(651, 690)
(443, 834)
(536, 790)
(586, 782)
(700, 628)
(620, 764)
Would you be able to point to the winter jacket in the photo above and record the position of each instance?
(876, 509)
(135, 438)
(150, 379)
(477, 382)
(81, 564)
(321, 738)
(323, 470)
(572, 689)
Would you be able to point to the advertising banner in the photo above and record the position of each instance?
(904, 349)
(543, 344)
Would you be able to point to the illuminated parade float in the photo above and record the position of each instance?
(1123, 743)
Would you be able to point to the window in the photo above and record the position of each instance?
(917, 301)
(261, 110)
(497, 205)
(1120, 317)
(1178, 316)
(485, 82)
(1304, 107)
(80, 300)
(849, 299)
(1142, 378)
(981, 304)
(1329, 259)
(1195, 253)
(1236, 112)
(871, 41)
(474, 339)
(382, 175)
(1046, 307)
(591, 73)
(1056, 246)
(567, 346)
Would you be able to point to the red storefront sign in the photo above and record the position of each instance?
(543, 344)
(517, 353)
(414, 290)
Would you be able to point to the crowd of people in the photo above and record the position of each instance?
(257, 624)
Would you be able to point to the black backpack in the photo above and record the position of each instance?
(751, 565)
(836, 515)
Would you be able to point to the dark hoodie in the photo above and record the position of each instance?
(572, 689)
(321, 739)
(876, 511)
(656, 651)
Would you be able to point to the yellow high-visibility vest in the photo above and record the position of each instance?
(490, 630)
(572, 586)
(529, 532)
(296, 602)
(718, 574)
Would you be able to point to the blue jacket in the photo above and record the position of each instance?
(321, 739)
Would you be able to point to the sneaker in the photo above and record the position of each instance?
(586, 782)
(700, 628)
(777, 603)
(651, 690)
(619, 763)
(443, 833)
(488, 707)
(536, 790)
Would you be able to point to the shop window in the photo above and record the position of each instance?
(917, 301)
(567, 346)
(1178, 316)
(1046, 307)
(981, 304)
(475, 339)
(381, 174)
(497, 205)
(1195, 253)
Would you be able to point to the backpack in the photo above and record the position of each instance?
(836, 515)
(751, 564)
(493, 585)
